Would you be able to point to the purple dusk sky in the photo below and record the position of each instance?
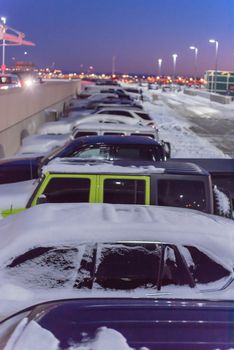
(72, 33)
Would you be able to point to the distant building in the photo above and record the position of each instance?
(221, 82)
(24, 66)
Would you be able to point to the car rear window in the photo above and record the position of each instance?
(5, 80)
(67, 190)
(182, 193)
(113, 133)
(152, 136)
(84, 133)
(143, 115)
(124, 191)
(138, 152)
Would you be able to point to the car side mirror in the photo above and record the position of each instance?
(42, 199)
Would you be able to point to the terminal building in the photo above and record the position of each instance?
(221, 82)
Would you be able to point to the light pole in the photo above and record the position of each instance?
(3, 19)
(174, 56)
(213, 41)
(195, 49)
(113, 66)
(159, 66)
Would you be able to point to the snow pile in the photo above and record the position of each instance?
(222, 201)
(105, 338)
(31, 336)
(42, 143)
(16, 194)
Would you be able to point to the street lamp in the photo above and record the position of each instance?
(3, 19)
(195, 49)
(159, 66)
(213, 41)
(174, 56)
(113, 65)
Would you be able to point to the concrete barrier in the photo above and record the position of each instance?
(211, 96)
(23, 110)
(220, 98)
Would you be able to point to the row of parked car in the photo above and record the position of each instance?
(136, 259)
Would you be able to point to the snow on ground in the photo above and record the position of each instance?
(173, 128)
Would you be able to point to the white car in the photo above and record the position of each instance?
(142, 116)
(41, 144)
(67, 125)
(93, 98)
(96, 89)
(87, 129)
(58, 251)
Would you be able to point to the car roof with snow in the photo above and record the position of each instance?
(115, 140)
(74, 165)
(122, 108)
(83, 222)
(213, 165)
(136, 128)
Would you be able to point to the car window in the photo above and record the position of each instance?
(127, 266)
(143, 115)
(84, 133)
(202, 267)
(182, 193)
(67, 190)
(124, 191)
(133, 265)
(46, 267)
(121, 113)
(225, 182)
(138, 152)
(113, 133)
(146, 135)
(99, 152)
(5, 80)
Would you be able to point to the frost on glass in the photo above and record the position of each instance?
(52, 268)
(127, 266)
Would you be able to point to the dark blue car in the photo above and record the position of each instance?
(91, 147)
(148, 324)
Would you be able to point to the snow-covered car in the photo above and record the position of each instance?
(88, 129)
(67, 125)
(120, 324)
(104, 97)
(143, 117)
(75, 180)
(103, 250)
(41, 144)
(101, 89)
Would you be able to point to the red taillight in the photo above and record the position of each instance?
(151, 124)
